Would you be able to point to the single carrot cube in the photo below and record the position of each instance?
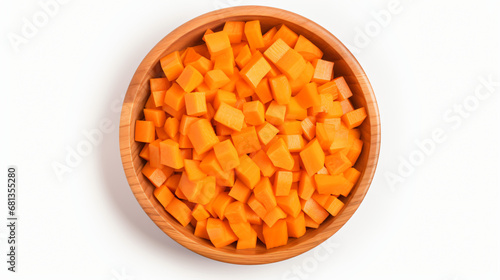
(307, 49)
(304, 78)
(222, 200)
(220, 233)
(196, 104)
(253, 34)
(343, 88)
(223, 96)
(337, 163)
(202, 136)
(193, 170)
(290, 127)
(234, 30)
(179, 211)
(184, 142)
(243, 57)
(276, 51)
(280, 156)
(275, 113)
(323, 71)
(159, 84)
(226, 154)
(268, 37)
(175, 113)
(164, 195)
(290, 203)
(217, 42)
(275, 236)
(313, 157)
(284, 33)
(273, 216)
(229, 116)
(211, 166)
(171, 154)
(248, 240)
(264, 163)
(145, 152)
(200, 213)
(158, 98)
(294, 142)
(264, 193)
(282, 182)
(189, 79)
(154, 154)
(355, 118)
(292, 64)
(331, 184)
(185, 123)
(263, 91)
(216, 79)
(329, 88)
(246, 141)
(346, 106)
(171, 127)
(244, 89)
(144, 131)
(235, 212)
(254, 113)
(155, 175)
(308, 96)
(267, 132)
(256, 69)
(294, 111)
(248, 172)
(280, 89)
(174, 97)
(172, 65)
(308, 128)
(333, 205)
(315, 211)
(355, 150)
(201, 229)
(225, 62)
(257, 206)
(240, 191)
(296, 226)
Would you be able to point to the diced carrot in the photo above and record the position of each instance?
(246, 141)
(171, 127)
(201, 229)
(268, 37)
(294, 142)
(243, 57)
(264, 163)
(253, 34)
(255, 69)
(226, 155)
(294, 111)
(243, 89)
(173, 182)
(276, 51)
(296, 226)
(172, 65)
(308, 128)
(145, 152)
(310, 223)
(292, 64)
(234, 30)
(315, 211)
(209, 31)
(184, 142)
(286, 35)
(235, 212)
(343, 89)
(224, 96)
(179, 211)
(247, 240)
(220, 233)
(240, 191)
(164, 195)
(321, 199)
(248, 172)
(266, 132)
(175, 113)
(346, 106)
(216, 79)
(211, 166)
(158, 98)
(159, 84)
(254, 112)
(282, 183)
(275, 236)
(307, 186)
(257, 206)
(323, 71)
(263, 91)
(220, 204)
(200, 213)
(171, 154)
(313, 157)
(304, 78)
(189, 79)
(329, 88)
(280, 89)
(174, 97)
(230, 117)
(309, 96)
(154, 154)
(275, 113)
(354, 118)
(273, 215)
(337, 163)
(355, 150)
(144, 131)
(280, 156)
(217, 42)
(307, 49)
(196, 104)
(231, 85)
(202, 64)
(193, 170)
(225, 62)
(331, 184)
(333, 205)
(352, 175)
(202, 135)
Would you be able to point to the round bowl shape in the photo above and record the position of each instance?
(189, 34)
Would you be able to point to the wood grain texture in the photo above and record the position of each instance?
(190, 34)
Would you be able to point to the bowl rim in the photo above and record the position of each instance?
(126, 136)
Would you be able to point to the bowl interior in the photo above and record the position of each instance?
(190, 34)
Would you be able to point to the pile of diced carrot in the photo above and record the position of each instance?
(250, 136)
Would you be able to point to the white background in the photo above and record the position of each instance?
(439, 222)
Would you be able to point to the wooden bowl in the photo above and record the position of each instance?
(189, 34)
